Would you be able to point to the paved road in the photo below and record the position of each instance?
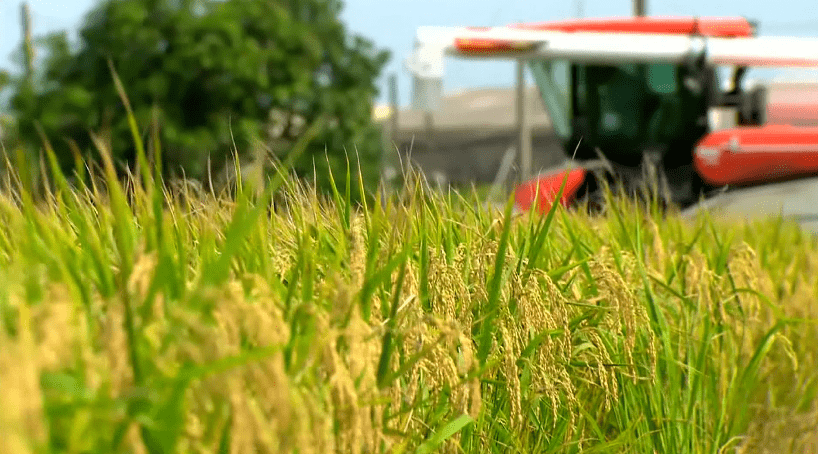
(796, 199)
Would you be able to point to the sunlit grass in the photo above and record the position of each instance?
(136, 317)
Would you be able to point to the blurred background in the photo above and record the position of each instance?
(471, 138)
(391, 24)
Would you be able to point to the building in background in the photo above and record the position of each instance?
(470, 135)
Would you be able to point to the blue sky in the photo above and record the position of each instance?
(392, 23)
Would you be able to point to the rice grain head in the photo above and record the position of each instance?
(626, 316)
(21, 413)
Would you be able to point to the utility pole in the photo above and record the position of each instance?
(639, 8)
(393, 104)
(23, 158)
(391, 129)
(429, 127)
(28, 47)
(523, 129)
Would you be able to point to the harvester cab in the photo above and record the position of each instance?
(628, 94)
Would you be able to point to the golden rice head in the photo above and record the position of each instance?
(466, 365)
(21, 412)
(512, 374)
(657, 255)
(746, 273)
(114, 341)
(601, 358)
(541, 308)
(358, 247)
(449, 291)
(447, 366)
(626, 316)
(777, 431)
(349, 360)
(268, 413)
(56, 328)
(417, 337)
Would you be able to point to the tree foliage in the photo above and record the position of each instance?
(217, 76)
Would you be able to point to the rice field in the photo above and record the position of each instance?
(142, 317)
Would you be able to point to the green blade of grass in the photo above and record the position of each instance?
(388, 338)
(542, 232)
(484, 341)
(444, 434)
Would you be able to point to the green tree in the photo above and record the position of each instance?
(219, 76)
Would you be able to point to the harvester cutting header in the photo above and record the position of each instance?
(625, 92)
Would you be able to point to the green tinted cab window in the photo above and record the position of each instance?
(553, 80)
(662, 78)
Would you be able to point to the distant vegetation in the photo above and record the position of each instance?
(248, 76)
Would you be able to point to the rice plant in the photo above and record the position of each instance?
(138, 316)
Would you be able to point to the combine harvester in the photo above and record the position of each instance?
(630, 94)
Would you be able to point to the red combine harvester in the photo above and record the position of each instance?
(630, 94)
